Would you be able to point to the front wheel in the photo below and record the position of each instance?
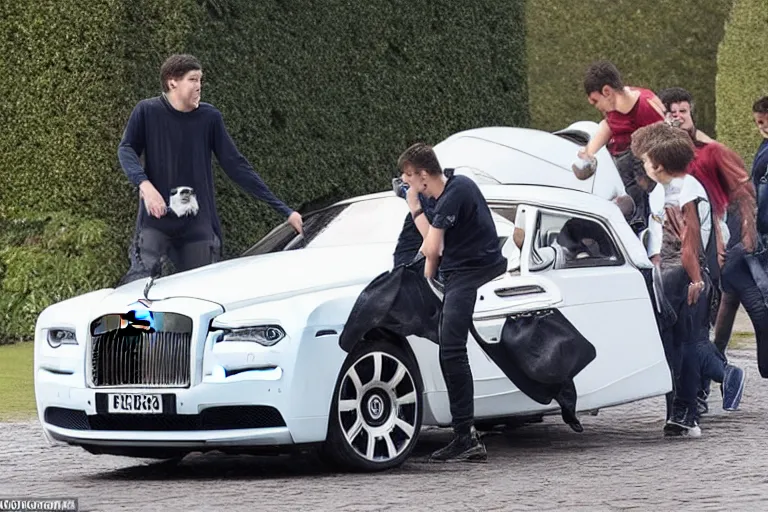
(376, 411)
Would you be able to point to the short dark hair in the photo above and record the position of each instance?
(599, 74)
(176, 66)
(670, 147)
(675, 95)
(420, 156)
(761, 106)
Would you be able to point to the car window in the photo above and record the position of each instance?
(577, 241)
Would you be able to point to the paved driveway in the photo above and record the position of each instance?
(620, 462)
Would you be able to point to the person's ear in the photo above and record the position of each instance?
(606, 91)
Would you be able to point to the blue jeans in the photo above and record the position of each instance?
(685, 344)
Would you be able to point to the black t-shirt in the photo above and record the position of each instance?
(471, 240)
(410, 239)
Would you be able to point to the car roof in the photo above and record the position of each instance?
(523, 156)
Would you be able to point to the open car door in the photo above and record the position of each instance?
(571, 269)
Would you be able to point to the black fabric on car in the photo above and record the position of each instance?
(540, 352)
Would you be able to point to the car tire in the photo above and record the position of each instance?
(375, 420)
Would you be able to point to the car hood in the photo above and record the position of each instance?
(248, 280)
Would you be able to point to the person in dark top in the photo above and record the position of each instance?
(414, 229)
(177, 134)
(463, 243)
(760, 164)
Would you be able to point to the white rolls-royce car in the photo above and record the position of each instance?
(244, 355)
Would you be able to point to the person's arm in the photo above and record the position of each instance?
(414, 204)
(733, 175)
(690, 252)
(655, 228)
(240, 171)
(131, 146)
(433, 249)
(654, 240)
(445, 216)
(719, 242)
(600, 139)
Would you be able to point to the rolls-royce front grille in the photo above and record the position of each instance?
(130, 359)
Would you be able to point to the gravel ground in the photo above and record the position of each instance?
(620, 462)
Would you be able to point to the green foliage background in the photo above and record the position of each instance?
(654, 44)
(321, 97)
(742, 76)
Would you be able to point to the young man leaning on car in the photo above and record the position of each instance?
(688, 236)
(625, 109)
(462, 241)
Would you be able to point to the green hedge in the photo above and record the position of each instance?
(654, 44)
(49, 258)
(743, 75)
(320, 97)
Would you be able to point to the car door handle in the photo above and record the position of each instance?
(515, 291)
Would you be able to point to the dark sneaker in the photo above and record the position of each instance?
(679, 429)
(733, 387)
(682, 423)
(462, 448)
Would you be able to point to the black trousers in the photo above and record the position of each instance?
(740, 286)
(186, 251)
(458, 307)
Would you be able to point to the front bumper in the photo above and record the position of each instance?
(207, 415)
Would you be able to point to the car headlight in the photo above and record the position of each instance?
(266, 335)
(59, 337)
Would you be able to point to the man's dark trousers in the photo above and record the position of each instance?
(458, 307)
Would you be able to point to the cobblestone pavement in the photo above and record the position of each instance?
(620, 462)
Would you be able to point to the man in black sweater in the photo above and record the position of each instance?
(177, 134)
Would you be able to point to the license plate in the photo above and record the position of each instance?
(134, 403)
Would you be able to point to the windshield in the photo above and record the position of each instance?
(376, 220)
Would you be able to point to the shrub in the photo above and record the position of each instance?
(46, 259)
(743, 75)
(320, 97)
